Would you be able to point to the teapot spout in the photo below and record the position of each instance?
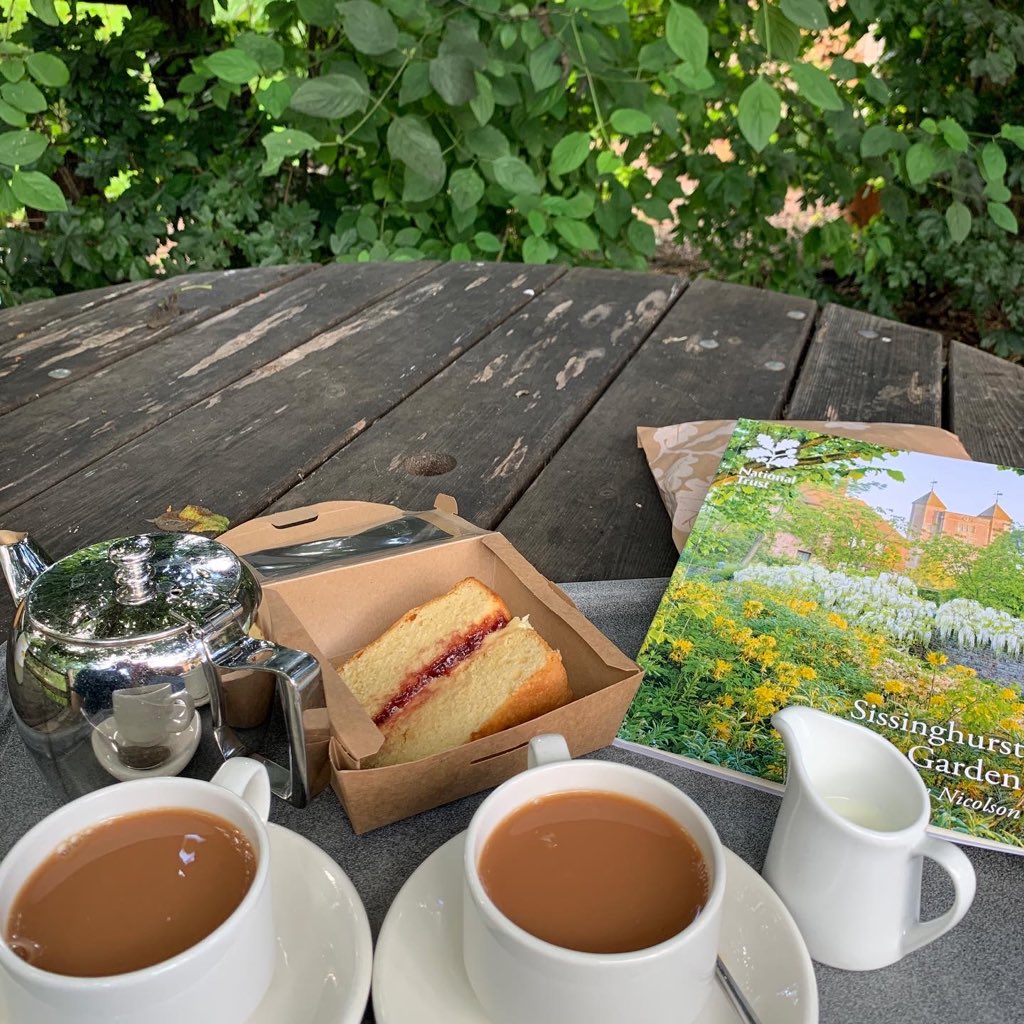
(22, 561)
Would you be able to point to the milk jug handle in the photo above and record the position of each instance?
(955, 863)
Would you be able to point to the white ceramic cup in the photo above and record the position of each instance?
(221, 978)
(520, 978)
(147, 715)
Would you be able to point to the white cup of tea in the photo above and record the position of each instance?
(221, 977)
(148, 715)
(518, 976)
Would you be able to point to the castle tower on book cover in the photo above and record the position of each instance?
(929, 517)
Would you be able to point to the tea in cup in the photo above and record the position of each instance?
(148, 900)
(593, 894)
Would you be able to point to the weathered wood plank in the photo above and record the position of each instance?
(485, 427)
(987, 405)
(863, 367)
(247, 444)
(594, 512)
(68, 429)
(82, 344)
(17, 321)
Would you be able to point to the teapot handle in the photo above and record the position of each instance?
(300, 689)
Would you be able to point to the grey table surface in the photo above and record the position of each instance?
(968, 976)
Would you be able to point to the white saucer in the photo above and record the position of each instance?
(418, 977)
(181, 744)
(324, 949)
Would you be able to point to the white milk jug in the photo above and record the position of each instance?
(846, 852)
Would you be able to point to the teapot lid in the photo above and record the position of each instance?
(140, 586)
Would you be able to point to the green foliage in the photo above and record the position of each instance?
(374, 129)
(996, 577)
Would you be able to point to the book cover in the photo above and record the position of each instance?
(882, 586)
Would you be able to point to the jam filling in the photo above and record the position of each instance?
(456, 652)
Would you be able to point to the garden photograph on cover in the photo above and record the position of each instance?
(882, 586)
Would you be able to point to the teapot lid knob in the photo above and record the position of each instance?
(134, 577)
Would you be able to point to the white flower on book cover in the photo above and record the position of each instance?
(773, 454)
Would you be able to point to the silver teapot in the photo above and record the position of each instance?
(139, 613)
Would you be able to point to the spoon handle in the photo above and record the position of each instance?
(735, 994)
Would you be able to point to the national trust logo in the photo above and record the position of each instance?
(773, 454)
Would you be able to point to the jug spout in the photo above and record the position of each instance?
(22, 561)
(810, 737)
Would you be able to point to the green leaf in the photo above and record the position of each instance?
(876, 89)
(321, 13)
(760, 111)
(538, 250)
(23, 96)
(816, 87)
(486, 242)
(21, 148)
(543, 67)
(274, 99)
(783, 34)
(863, 10)
(487, 143)
(265, 50)
(992, 162)
(411, 141)
(806, 13)
(920, 163)
(577, 233)
(958, 220)
(370, 28)
(482, 104)
(879, 139)
(537, 221)
(11, 115)
(694, 80)
(466, 187)
(44, 11)
(13, 69)
(1002, 216)
(420, 184)
(233, 66)
(641, 236)
(629, 121)
(461, 253)
(415, 84)
(48, 70)
(687, 35)
(1015, 134)
(280, 145)
(928, 125)
(452, 79)
(330, 96)
(513, 174)
(36, 190)
(570, 151)
(955, 136)
(997, 191)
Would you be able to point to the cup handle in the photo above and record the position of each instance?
(248, 779)
(961, 872)
(547, 748)
(184, 712)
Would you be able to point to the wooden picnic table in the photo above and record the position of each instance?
(516, 389)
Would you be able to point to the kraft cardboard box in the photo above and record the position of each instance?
(332, 610)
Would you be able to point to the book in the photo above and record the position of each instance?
(879, 585)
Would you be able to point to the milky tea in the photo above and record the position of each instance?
(594, 871)
(130, 892)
